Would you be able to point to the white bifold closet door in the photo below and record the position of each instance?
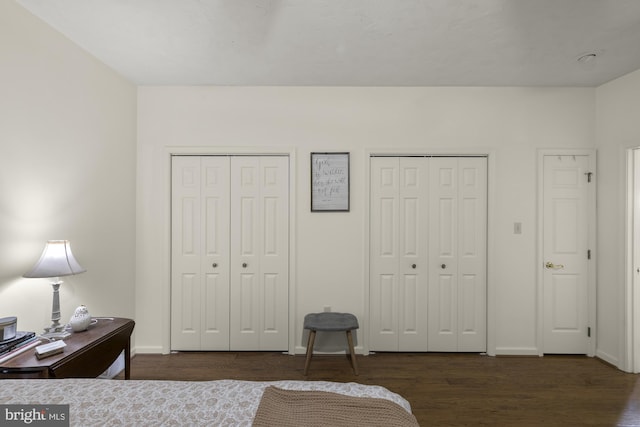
(230, 253)
(428, 253)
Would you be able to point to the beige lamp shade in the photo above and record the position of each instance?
(57, 260)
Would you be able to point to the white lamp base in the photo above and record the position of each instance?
(54, 335)
(56, 331)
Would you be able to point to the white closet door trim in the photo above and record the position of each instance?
(164, 287)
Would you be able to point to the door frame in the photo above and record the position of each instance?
(591, 273)
(491, 167)
(165, 286)
(630, 339)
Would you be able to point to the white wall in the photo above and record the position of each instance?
(67, 171)
(618, 129)
(508, 123)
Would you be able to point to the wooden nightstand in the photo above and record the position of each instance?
(87, 354)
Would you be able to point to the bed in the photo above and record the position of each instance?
(215, 403)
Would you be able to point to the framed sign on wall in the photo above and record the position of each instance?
(329, 182)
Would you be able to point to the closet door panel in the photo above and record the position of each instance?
(398, 254)
(199, 192)
(384, 264)
(413, 266)
(259, 258)
(186, 326)
(215, 254)
(216, 313)
(443, 254)
(244, 311)
(472, 268)
(457, 319)
(186, 252)
(387, 313)
(245, 268)
(274, 253)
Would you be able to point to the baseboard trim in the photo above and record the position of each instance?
(303, 350)
(500, 351)
(147, 350)
(606, 357)
(517, 351)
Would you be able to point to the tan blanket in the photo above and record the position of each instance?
(295, 408)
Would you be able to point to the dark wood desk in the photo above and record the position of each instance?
(87, 354)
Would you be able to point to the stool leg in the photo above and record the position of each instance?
(354, 363)
(312, 338)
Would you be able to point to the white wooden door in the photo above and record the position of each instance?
(259, 253)
(398, 254)
(457, 254)
(230, 253)
(200, 253)
(565, 254)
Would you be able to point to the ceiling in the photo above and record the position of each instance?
(354, 42)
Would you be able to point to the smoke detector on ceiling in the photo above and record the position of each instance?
(589, 60)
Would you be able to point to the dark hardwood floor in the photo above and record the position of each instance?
(443, 389)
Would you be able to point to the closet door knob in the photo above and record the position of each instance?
(244, 265)
(214, 265)
(413, 266)
(443, 266)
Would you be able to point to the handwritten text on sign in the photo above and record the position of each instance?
(330, 181)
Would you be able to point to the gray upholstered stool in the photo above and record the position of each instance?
(330, 322)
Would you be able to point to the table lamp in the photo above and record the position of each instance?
(56, 261)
